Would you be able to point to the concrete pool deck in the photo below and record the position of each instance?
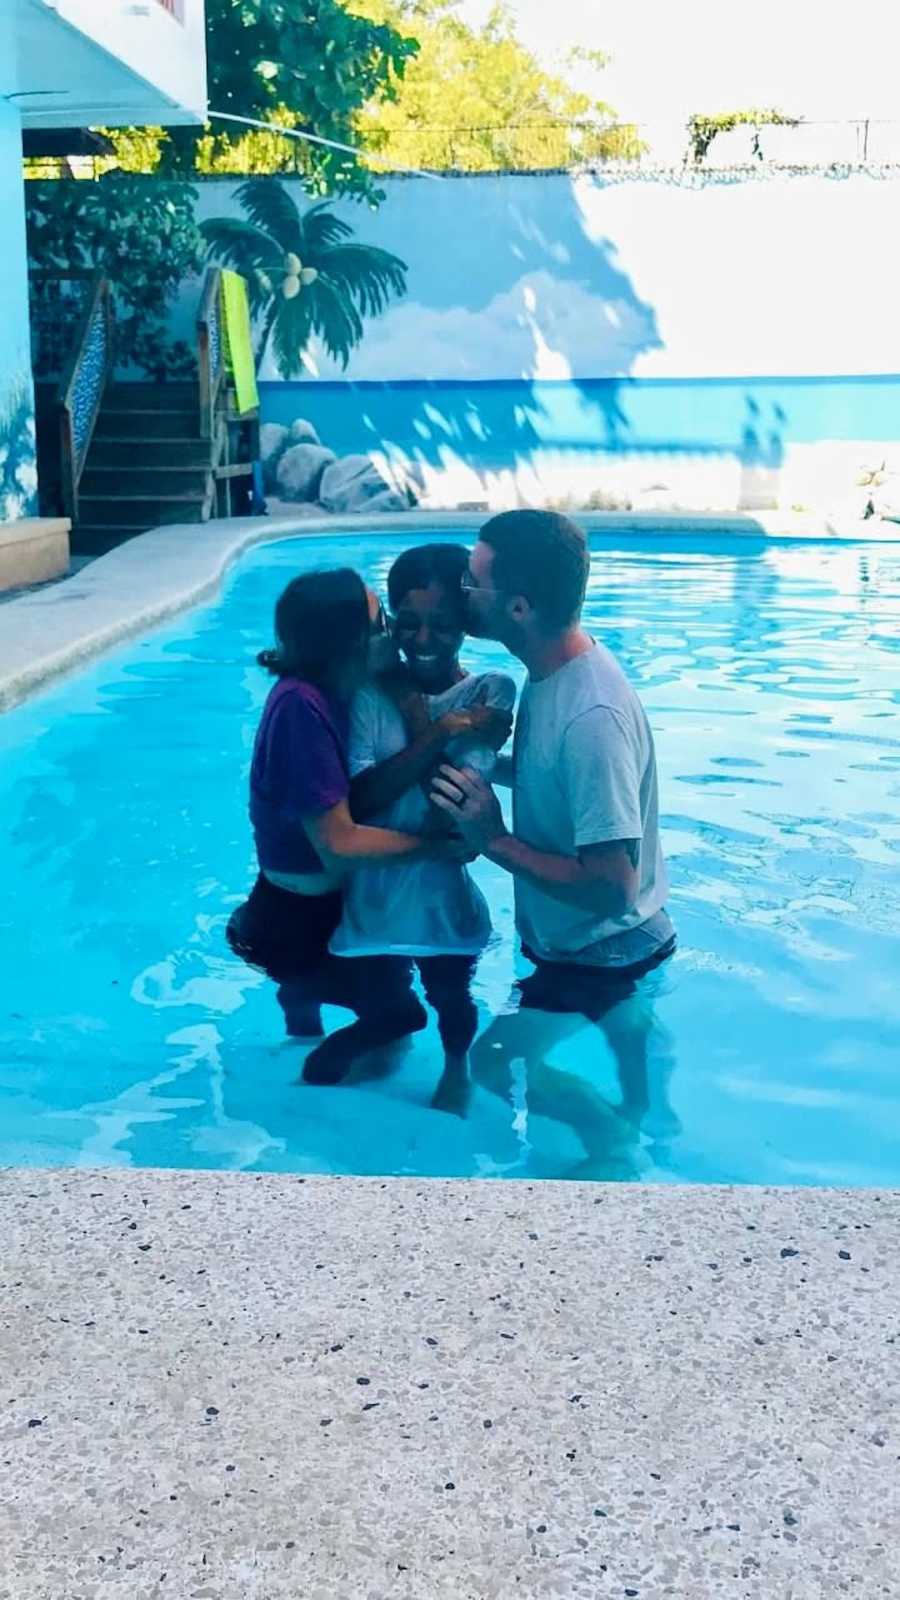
(275, 1387)
(156, 576)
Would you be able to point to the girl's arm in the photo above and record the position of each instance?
(375, 789)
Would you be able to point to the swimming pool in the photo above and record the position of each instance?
(771, 674)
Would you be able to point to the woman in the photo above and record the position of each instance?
(424, 911)
(331, 633)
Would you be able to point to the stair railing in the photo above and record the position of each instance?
(82, 388)
(210, 350)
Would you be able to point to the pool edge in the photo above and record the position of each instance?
(468, 1383)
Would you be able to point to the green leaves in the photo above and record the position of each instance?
(310, 64)
(141, 233)
(477, 100)
(702, 130)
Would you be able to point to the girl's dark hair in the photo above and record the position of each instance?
(426, 564)
(321, 621)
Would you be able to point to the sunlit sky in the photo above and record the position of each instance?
(813, 58)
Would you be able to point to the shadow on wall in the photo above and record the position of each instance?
(607, 443)
(18, 462)
(526, 293)
(762, 456)
(532, 290)
(504, 281)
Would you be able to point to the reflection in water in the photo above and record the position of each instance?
(770, 676)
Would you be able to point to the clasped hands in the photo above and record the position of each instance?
(471, 805)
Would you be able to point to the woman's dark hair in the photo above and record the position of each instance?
(429, 563)
(321, 621)
(542, 556)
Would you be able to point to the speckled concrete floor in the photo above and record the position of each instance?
(234, 1386)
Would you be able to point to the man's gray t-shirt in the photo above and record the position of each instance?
(584, 772)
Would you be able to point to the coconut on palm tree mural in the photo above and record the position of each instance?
(306, 275)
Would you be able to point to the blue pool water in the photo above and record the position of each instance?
(772, 677)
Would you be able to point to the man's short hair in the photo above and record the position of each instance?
(542, 556)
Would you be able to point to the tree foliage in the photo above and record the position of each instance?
(477, 100)
(702, 130)
(309, 64)
(140, 233)
(406, 80)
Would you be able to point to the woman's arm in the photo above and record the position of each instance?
(343, 844)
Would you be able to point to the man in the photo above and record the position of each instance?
(584, 850)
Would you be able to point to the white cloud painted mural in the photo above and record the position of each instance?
(540, 328)
(659, 340)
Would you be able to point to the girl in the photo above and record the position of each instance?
(427, 911)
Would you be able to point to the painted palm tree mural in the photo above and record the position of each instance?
(306, 275)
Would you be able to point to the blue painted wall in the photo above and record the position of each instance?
(18, 468)
(754, 419)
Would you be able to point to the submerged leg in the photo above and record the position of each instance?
(524, 1039)
(644, 1053)
(379, 990)
(447, 981)
(286, 936)
(302, 1008)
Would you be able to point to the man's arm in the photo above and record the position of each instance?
(602, 878)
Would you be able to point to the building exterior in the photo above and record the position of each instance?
(75, 64)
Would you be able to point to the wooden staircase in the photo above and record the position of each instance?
(147, 465)
(118, 458)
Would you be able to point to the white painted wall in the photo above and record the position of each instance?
(583, 277)
(562, 277)
(114, 62)
(789, 276)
